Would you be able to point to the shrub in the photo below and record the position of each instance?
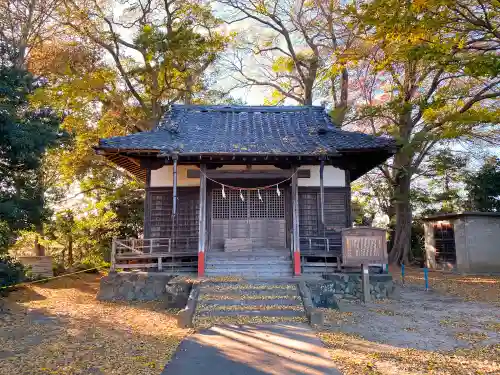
(91, 262)
(58, 269)
(4, 236)
(11, 271)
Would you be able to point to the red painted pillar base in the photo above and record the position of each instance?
(201, 264)
(296, 263)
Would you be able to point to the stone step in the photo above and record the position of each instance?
(248, 258)
(250, 299)
(249, 312)
(208, 321)
(248, 273)
(244, 267)
(251, 302)
(237, 262)
(259, 252)
(250, 284)
(217, 297)
(237, 293)
(250, 264)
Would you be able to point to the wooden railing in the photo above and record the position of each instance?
(146, 252)
(314, 244)
(142, 245)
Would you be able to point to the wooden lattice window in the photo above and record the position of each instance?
(311, 230)
(187, 218)
(251, 207)
(161, 214)
(308, 214)
(238, 207)
(220, 205)
(444, 237)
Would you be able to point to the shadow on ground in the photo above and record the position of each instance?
(290, 349)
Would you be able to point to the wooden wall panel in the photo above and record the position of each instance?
(336, 210)
(158, 222)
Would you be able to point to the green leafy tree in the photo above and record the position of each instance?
(25, 136)
(440, 183)
(161, 51)
(439, 75)
(65, 224)
(484, 187)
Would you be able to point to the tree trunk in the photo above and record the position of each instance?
(341, 105)
(402, 232)
(401, 197)
(39, 249)
(402, 208)
(308, 91)
(188, 95)
(26, 29)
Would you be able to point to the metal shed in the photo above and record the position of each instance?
(467, 241)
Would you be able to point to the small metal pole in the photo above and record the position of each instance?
(403, 273)
(426, 278)
(365, 277)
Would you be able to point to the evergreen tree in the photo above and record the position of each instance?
(25, 135)
(484, 187)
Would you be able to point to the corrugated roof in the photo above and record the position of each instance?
(291, 130)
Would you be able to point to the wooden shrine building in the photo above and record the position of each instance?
(240, 190)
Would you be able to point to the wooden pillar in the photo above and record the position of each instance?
(173, 233)
(348, 198)
(147, 206)
(322, 196)
(202, 221)
(295, 226)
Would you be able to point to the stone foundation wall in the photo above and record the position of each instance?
(347, 286)
(144, 286)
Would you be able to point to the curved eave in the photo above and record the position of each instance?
(129, 160)
(358, 162)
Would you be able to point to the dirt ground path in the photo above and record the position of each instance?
(447, 330)
(60, 328)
